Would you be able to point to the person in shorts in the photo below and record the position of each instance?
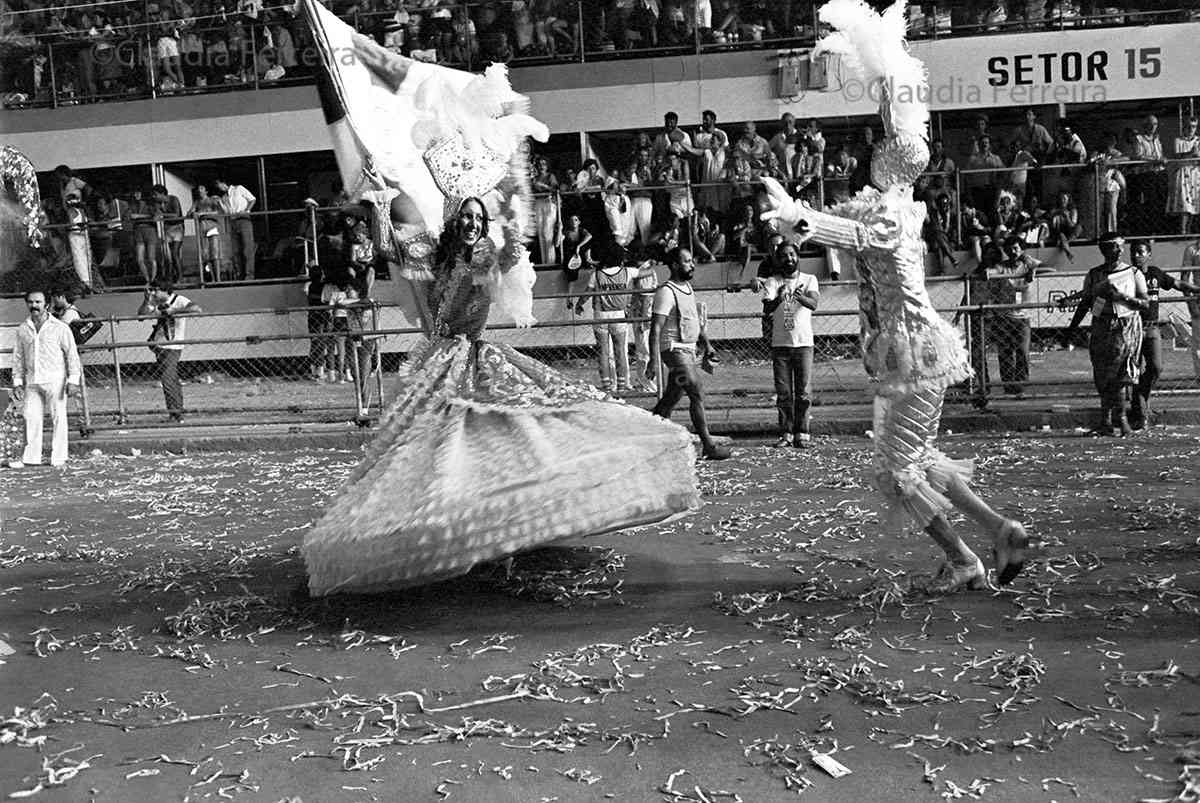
(170, 214)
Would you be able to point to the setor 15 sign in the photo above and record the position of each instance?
(1073, 66)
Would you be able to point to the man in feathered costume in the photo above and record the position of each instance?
(912, 354)
(484, 451)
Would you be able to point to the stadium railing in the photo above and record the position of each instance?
(473, 35)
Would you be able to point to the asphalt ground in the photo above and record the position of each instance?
(163, 649)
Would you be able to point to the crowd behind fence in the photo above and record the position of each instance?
(276, 366)
(66, 54)
(1056, 206)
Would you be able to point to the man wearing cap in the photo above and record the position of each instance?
(45, 371)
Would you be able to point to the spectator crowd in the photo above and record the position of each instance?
(1039, 183)
(117, 48)
(103, 235)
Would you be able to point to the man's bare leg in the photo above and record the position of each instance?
(962, 568)
(1009, 540)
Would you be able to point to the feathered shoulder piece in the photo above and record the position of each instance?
(16, 171)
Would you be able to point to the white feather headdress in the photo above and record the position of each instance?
(873, 50)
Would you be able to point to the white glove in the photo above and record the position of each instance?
(784, 208)
(787, 210)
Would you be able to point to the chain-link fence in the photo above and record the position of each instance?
(334, 363)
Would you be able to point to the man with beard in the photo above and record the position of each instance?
(789, 298)
(677, 334)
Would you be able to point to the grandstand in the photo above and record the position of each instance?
(136, 93)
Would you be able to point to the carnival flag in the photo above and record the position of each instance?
(392, 119)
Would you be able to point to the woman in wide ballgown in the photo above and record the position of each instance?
(486, 452)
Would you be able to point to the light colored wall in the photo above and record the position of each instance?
(632, 95)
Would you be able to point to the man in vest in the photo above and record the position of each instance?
(676, 330)
(45, 371)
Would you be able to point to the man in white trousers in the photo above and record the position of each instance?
(45, 371)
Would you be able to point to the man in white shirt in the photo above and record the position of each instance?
(45, 371)
(676, 330)
(789, 298)
(169, 310)
(236, 201)
(1147, 182)
(672, 139)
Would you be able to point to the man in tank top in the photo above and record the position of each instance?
(675, 333)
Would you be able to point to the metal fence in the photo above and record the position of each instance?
(1055, 205)
(202, 248)
(297, 365)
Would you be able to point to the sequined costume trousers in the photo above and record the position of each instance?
(912, 353)
(910, 471)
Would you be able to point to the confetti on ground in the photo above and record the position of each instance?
(158, 598)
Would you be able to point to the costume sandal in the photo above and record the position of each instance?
(1008, 549)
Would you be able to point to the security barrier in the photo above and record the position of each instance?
(296, 365)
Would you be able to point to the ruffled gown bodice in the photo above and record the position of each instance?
(459, 297)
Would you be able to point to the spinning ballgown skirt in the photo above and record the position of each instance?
(485, 453)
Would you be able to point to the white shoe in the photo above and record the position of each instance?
(57, 464)
(952, 577)
(15, 464)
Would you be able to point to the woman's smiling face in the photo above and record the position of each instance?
(471, 218)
